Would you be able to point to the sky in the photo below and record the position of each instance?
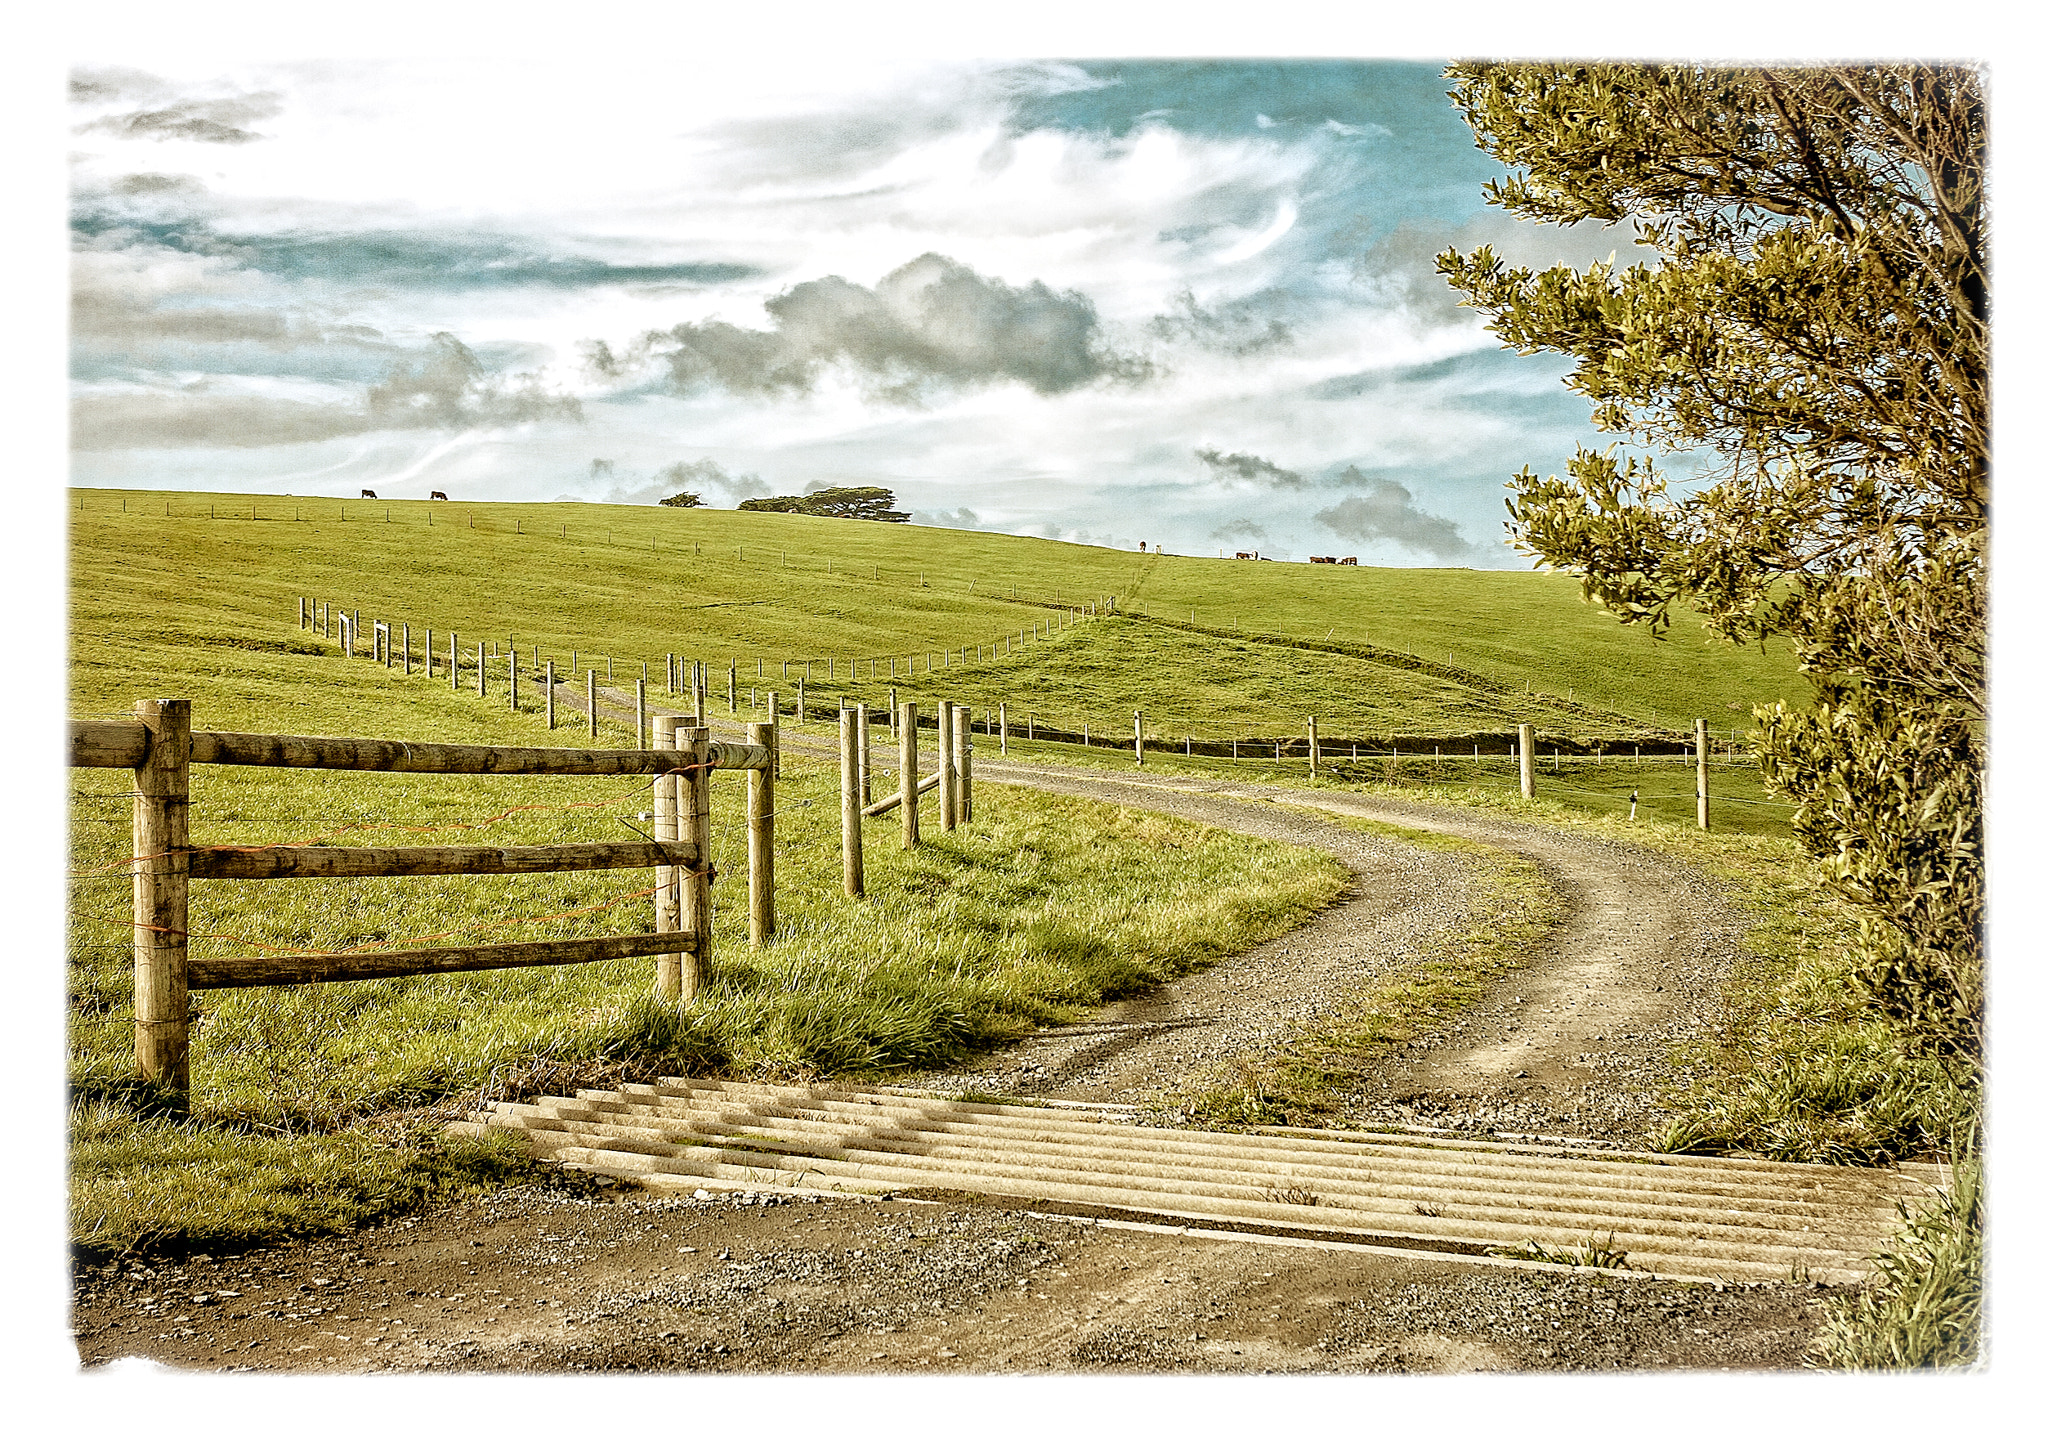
(1185, 303)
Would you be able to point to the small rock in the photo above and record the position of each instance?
(702, 1193)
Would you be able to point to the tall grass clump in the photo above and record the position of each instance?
(1924, 1304)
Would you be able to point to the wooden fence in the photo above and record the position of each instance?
(159, 745)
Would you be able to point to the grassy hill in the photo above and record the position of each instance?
(636, 583)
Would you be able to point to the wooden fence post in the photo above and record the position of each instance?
(482, 673)
(1699, 732)
(963, 759)
(427, 652)
(1527, 745)
(302, 611)
(512, 677)
(949, 773)
(761, 835)
(551, 693)
(906, 763)
(1138, 734)
(800, 716)
(866, 754)
(407, 628)
(1003, 711)
(640, 714)
(849, 804)
(693, 804)
(732, 688)
(892, 700)
(590, 698)
(671, 672)
(454, 661)
(775, 720)
(668, 904)
(1315, 748)
(163, 868)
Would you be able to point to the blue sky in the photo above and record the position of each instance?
(1185, 302)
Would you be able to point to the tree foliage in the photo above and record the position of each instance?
(860, 502)
(1815, 325)
(685, 500)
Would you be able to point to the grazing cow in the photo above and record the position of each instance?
(1352, 560)
(1247, 554)
(369, 494)
(437, 495)
(1322, 559)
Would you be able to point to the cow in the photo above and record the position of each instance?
(369, 494)
(1322, 559)
(1247, 554)
(1351, 560)
(437, 495)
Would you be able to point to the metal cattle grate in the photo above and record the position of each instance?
(1673, 1215)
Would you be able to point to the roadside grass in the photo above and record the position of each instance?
(1924, 1304)
(1304, 1081)
(636, 582)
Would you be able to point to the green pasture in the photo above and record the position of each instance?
(636, 583)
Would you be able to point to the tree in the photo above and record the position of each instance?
(685, 500)
(1816, 328)
(867, 502)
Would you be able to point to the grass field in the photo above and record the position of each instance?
(640, 582)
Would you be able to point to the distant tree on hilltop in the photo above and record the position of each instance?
(861, 502)
(685, 500)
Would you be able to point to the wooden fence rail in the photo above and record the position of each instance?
(160, 746)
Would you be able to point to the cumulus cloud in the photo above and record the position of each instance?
(444, 387)
(222, 121)
(932, 323)
(1251, 468)
(1387, 510)
(1241, 327)
(961, 518)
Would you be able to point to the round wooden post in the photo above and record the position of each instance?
(1526, 744)
(512, 677)
(949, 773)
(482, 674)
(1699, 738)
(849, 804)
(761, 835)
(1138, 734)
(906, 763)
(408, 647)
(732, 688)
(640, 714)
(427, 653)
(590, 698)
(800, 715)
(163, 869)
(693, 803)
(668, 904)
(1315, 748)
(1003, 713)
(551, 693)
(866, 753)
(455, 661)
(963, 760)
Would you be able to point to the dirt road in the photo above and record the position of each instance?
(612, 1278)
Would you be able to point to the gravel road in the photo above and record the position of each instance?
(602, 1276)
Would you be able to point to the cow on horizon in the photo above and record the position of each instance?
(437, 495)
(369, 494)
